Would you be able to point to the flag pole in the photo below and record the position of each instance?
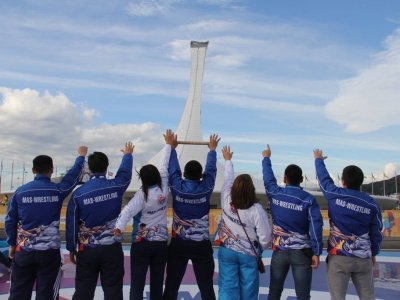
(1, 173)
(384, 185)
(372, 185)
(12, 174)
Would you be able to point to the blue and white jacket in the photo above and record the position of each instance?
(355, 218)
(254, 220)
(94, 208)
(191, 199)
(150, 213)
(296, 217)
(33, 217)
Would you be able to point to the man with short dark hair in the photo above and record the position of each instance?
(91, 216)
(32, 227)
(297, 230)
(190, 224)
(355, 231)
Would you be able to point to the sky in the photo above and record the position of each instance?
(296, 75)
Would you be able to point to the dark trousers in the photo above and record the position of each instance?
(300, 262)
(108, 261)
(42, 266)
(144, 255)
(201, 254)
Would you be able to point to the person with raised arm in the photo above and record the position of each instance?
(91, 216)
(355, 234)
(244, 233)
(32, 227)
(149, 249)
(190, 224)
(297, 230)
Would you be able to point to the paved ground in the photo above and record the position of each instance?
(386, 273)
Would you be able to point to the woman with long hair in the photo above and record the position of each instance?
(245, 232)
(149, 207)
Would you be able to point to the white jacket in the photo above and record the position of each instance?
(153, 220)
(254, 219)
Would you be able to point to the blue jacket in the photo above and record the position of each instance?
(355, 218)
(297, 219)
(94, 208)
(33, 216)
(191, 199)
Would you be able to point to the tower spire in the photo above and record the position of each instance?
(189, 128)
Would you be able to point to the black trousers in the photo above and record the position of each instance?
(44, 267)
(144, 255)
(201, 255)
(108, 261)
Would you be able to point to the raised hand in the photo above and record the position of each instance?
(128, 148)
(82, 150)
(267, 152)
(226, 152)
(318, 154)
(214, 139)
(171, 138)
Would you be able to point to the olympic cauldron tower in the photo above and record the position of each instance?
(189, 128)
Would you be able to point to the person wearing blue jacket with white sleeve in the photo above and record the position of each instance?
(355, 231)
(149, 248)
(297, 230)
(32, 226)
(91, 216)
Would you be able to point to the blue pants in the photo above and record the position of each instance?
(145, 255)
(106, 260)
(44, 267)
(201, 255)
(301, 269)
(238, 275)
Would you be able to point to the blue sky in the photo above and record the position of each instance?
(294, 74)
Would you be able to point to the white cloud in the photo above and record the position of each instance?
(52, 124)
(390, 169)
(370, 101)
(233, 60)
(210, 25)
(146, 8)
(179, 50)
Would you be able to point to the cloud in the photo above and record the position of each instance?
(228, 60)
(390, 169)
(43, 123)
(369, 101)
(178, 50)
(146, 8)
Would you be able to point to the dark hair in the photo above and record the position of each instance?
(352, 177)
(243, 192)
(193, 170)
(98, 162)
(293, 174)
(149, 175)
(42, 164)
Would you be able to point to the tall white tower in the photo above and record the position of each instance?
(189, 128)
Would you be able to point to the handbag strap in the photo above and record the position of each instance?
(252, 246)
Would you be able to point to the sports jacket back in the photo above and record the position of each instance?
(355, 218)
(152, 218)
(33, 217)
(254, 219)
(297, 219)
(94, 208)
(191, 199)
